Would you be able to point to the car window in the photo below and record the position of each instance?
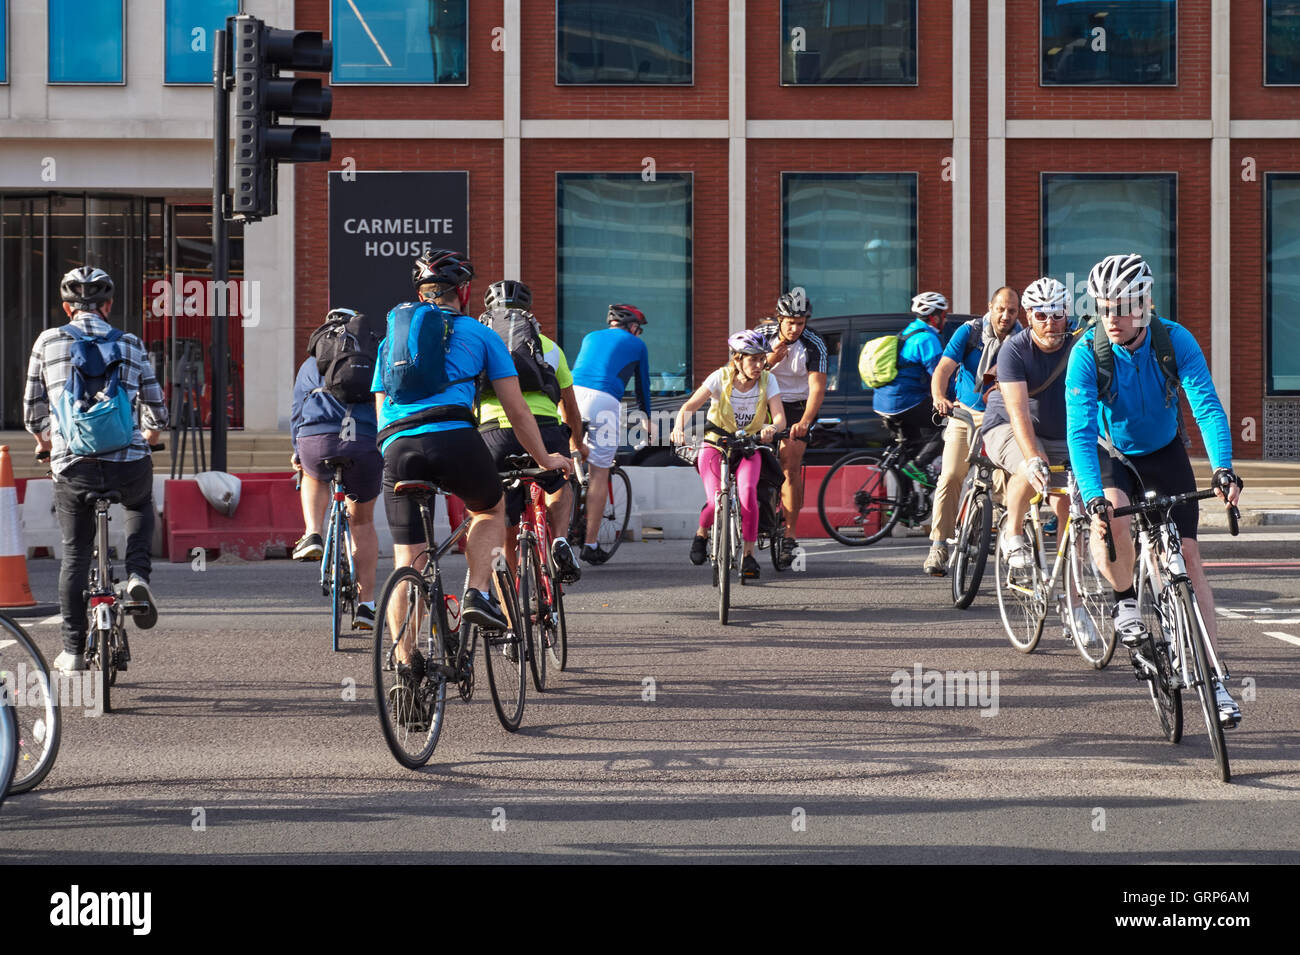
(832, 340)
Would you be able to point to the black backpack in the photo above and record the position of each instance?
(345, 351)
(515, 327)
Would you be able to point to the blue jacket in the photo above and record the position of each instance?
(608, 358)
(319, 412)
(967, 355)
(917, 358)
(1139, 422)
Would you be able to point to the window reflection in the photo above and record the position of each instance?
(1283, 283)
(605, 41)
(848, 41)
(399, 41)
(1109, 42)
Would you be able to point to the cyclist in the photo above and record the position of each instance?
(745, 397)
(797, 358)
(87, 295)
(560, 427)
(972, 349)
(904, 403)
(450, 451)
(1141, 421)
(1024, 420)
(607, 359)
(321, 426)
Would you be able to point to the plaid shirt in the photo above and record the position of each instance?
(48, 371)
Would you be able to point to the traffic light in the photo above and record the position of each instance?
(262, 98)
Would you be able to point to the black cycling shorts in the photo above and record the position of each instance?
(794, 414)
(1167, 471)
(502, 442)
(457, 461)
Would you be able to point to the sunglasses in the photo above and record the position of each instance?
(1107, 309)
(1047, 316)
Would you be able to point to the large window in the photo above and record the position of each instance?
(849, 240)
(1282, 282)
(87, 41)
(189, 26)
(1088, 216)
(614, 42)
(621, 239)
(1110, 42)
(848, 42)
(400, 41)
(1282, 42)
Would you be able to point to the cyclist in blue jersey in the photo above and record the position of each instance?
(1140, 420)
(451, 452)
(970, 352)
(607, 359)
(905, 401)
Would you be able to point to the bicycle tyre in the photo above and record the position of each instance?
(337, 583)
(972, 549)
(529, 592)
(1204, 688)
(1166, 695)
(8, 748)
(618, 511)
(1095, 593)
(559, 648)
(722, 555)
(411, 735)
(886, 491)
(1022, 618)
(577, 534)
(39, 727)
(507, 679)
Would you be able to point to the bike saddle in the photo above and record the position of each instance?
(519, 462)
(415, 487)
(332, 463)
(111, 497)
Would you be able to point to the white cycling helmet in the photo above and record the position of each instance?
(1046, 295)
(1120, 277)
(929, 303)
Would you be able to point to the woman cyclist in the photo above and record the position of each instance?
(743, 397)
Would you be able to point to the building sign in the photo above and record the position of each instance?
(380, 222)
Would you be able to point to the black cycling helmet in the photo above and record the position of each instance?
(508, 293)
(625, 315)
(443, 267)
(794, 304)
(86, 287)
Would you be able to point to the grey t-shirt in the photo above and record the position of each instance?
(1020, 359)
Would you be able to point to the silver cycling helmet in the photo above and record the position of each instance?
(1046, 295)
(86, 287)
(929, 303)
(1120, 278)
(748, 342)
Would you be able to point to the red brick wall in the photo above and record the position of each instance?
(707, 159)
(769, 158)
(1248, 318)
(1250, 98)
(543, 99)
(481, 99)
(1190, 99)
(931, 98)
(483, 159)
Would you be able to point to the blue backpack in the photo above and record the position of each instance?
(413, 365)
(94, 413)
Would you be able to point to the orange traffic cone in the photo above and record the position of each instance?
(15, 593)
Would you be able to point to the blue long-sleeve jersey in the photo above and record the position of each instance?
(608, 358)
(1139, 421)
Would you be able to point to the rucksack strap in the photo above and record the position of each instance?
(428, 416)
(1056, 373)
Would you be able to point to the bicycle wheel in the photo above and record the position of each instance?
(337, 582)
(532, 607)
(1166, 694)
(8, 747)
(1203, 675)
(722, 554)
(577, 534)
(559, 645)
(26, 676)
(410, 705)
(859, 502)
(1020, 599)
(504, 653)
(1094, 596)
(971, 550)
(618, 510)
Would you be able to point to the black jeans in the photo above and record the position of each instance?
(76, 509)
(922, 440)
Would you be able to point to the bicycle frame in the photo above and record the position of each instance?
(339, 532)
(535, 528)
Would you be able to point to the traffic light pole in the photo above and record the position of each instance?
(220, 246)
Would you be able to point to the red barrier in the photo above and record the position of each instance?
(839, 500)
(269, 515)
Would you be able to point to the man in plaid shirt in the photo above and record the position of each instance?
(87, 300)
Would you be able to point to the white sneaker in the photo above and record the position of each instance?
(1019, 556)
(1085, 631)
(1229, 711)
(1128, 622)
(67, 662)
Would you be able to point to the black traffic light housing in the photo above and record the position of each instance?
(262, 97)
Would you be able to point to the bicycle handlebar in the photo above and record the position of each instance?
(1165, 504)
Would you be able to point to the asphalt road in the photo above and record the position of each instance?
(774, 739)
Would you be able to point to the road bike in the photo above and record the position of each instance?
(613, 519)
(1025, 596)
(8, 746)
(28, 695)
(977, 514)
(338, 573)
(866, 493)
(1176, 653)
(541, 595)
(107, 648)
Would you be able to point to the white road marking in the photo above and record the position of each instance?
(1283, 636)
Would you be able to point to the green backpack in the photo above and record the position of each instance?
(878, 360)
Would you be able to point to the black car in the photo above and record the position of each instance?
(846, 418)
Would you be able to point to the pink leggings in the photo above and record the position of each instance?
(747, 471)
